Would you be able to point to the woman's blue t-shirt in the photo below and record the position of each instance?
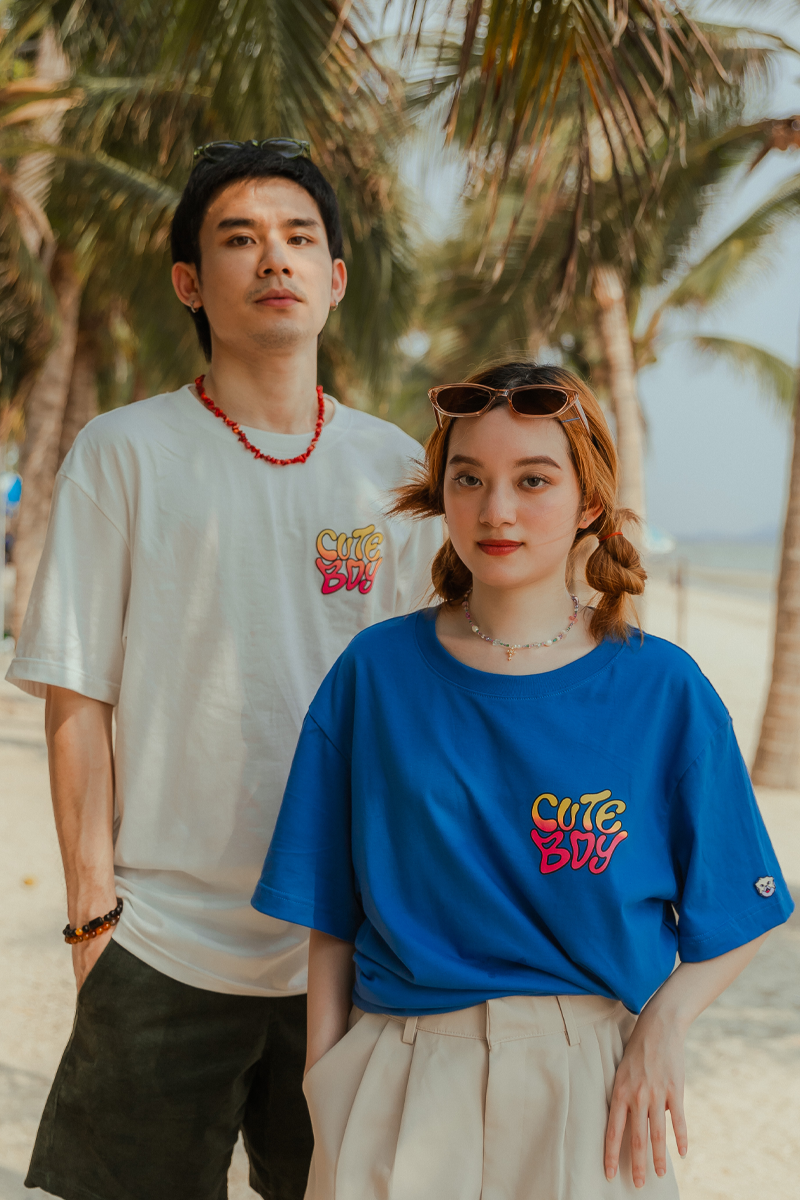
(480, 835)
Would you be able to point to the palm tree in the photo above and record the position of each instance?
(579, 215)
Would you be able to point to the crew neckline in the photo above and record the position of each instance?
(520, 687)
(286, 444)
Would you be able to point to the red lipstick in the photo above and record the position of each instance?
(499, 546)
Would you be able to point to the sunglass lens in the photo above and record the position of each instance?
(461, 400)
(286, 147)
(538, 402)
(216, 151)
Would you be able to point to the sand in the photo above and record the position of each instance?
(743, 1054)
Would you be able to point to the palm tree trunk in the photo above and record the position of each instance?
(44, 417)
(777, 762)
(82, 397)
(615, 334)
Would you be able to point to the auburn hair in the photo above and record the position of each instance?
(613, 569)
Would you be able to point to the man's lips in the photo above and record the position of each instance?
(278, 299)
(499, 546)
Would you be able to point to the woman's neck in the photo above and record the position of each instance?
(534, 613)
(517, 616)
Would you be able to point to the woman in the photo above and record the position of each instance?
(505, 816)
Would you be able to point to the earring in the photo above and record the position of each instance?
(335, 305)
(194, 307)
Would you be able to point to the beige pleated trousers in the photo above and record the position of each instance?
(507, 1100)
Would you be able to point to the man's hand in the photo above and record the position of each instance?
(86, 954)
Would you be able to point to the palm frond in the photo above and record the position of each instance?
(775, 378)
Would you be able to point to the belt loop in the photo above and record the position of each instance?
(410, 1031)
(568, 1017)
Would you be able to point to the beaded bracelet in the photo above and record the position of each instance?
(82, 933)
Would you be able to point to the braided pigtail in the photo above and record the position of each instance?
(616, 573)
(451, 578)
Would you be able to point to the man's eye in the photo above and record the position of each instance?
(298, 240)
(241, 239)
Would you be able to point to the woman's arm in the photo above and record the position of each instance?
(650, 1077)
(330, 983)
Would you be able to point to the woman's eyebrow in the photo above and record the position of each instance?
(541, 460)
(462, 458)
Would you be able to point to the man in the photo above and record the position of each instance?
(200, 589)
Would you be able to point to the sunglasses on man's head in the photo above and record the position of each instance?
(218, 151)
(530, 400)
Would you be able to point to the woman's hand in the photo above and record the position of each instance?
(330, 982)
(650, 1077)
(649, 1081)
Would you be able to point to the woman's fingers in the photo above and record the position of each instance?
(617, 1118)
(675, 1105)
(639, 1148)
(658, 1137)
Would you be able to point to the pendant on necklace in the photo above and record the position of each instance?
(510, 652)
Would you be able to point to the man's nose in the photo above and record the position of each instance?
(275, 259)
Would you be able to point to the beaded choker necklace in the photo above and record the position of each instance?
(510, 649)
(248, 445)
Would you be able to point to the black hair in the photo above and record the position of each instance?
(250, 162)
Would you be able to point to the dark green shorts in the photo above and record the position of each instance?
(156, 1082)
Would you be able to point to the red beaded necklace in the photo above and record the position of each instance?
(248, 445)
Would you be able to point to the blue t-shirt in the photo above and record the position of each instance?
(480, 835)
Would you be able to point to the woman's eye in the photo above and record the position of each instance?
(469, 481)
(534, 481)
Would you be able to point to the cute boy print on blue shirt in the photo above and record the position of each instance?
(589, 826)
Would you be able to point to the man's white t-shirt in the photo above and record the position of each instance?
(205, 595)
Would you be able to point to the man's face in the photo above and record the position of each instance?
(266, 277)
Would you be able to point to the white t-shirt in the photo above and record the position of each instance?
(205, 595)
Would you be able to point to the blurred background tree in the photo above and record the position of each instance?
(594, 138)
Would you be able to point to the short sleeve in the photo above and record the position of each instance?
(72, 635)
(732, 889)
(308, 873)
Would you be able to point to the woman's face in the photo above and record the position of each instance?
(511, 498)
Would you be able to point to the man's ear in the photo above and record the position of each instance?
(186, 282)
(338, 281)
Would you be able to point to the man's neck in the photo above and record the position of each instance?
(276, 392)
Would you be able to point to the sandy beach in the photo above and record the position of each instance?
(743, 1061)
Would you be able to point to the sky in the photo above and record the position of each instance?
(718, 452)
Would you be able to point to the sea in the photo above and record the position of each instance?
(723, 564)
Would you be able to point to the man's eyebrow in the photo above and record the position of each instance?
(231, 222)
(249, 223)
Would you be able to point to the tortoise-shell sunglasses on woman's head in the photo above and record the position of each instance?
(530, 400)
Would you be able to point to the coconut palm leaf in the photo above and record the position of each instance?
(775, 378)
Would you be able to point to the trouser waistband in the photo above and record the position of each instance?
(511, 1018)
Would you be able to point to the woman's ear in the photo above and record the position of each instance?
(590, 513)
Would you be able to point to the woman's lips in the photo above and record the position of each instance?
(499, 547)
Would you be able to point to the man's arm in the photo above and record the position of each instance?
(82, 785)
